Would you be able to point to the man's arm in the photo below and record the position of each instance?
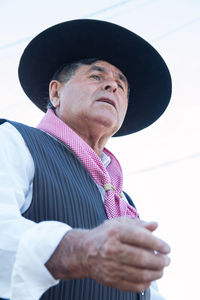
(121, 253)
(24, 245)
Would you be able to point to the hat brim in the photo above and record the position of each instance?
(148, 76)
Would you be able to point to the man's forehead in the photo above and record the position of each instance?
(104, 66)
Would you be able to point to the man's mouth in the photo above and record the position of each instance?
(107, 100)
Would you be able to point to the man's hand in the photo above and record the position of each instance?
(121, 253)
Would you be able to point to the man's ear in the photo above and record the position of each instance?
(54, 92)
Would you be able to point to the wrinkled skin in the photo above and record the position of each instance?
(93, 102)
(121, 253)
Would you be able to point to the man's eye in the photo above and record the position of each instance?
(97, 77)
(120, 86)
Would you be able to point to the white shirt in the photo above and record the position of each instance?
(25, 246)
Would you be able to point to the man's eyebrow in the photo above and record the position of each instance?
(97, 68)
(103, 70)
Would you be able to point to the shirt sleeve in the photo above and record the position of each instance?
(155, 295)
(25, 246)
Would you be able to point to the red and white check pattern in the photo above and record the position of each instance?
(111, 178)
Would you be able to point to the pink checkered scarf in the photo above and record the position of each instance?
(110, 178)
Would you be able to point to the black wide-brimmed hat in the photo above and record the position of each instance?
(148, 76)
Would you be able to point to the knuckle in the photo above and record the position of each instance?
(109, 250)
(113, 233)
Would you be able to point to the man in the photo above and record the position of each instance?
(59, 184)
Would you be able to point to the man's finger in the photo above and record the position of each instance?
(142, 237)
(137, 275)
(142, 258)
(130, 286)
(151, 226)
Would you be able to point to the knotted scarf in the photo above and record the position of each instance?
(109, 178)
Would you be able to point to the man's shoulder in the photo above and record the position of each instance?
(8, 123)
(12, 142)
(12, 127)
(5, 123)
(7, 129)
(11, 132)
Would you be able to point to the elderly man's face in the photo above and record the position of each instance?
(96, 96)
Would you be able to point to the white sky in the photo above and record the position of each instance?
(162, 163)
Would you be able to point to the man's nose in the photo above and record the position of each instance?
(110, 86)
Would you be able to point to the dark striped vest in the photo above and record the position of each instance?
(64, 191)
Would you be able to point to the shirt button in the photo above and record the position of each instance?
(142, 294)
